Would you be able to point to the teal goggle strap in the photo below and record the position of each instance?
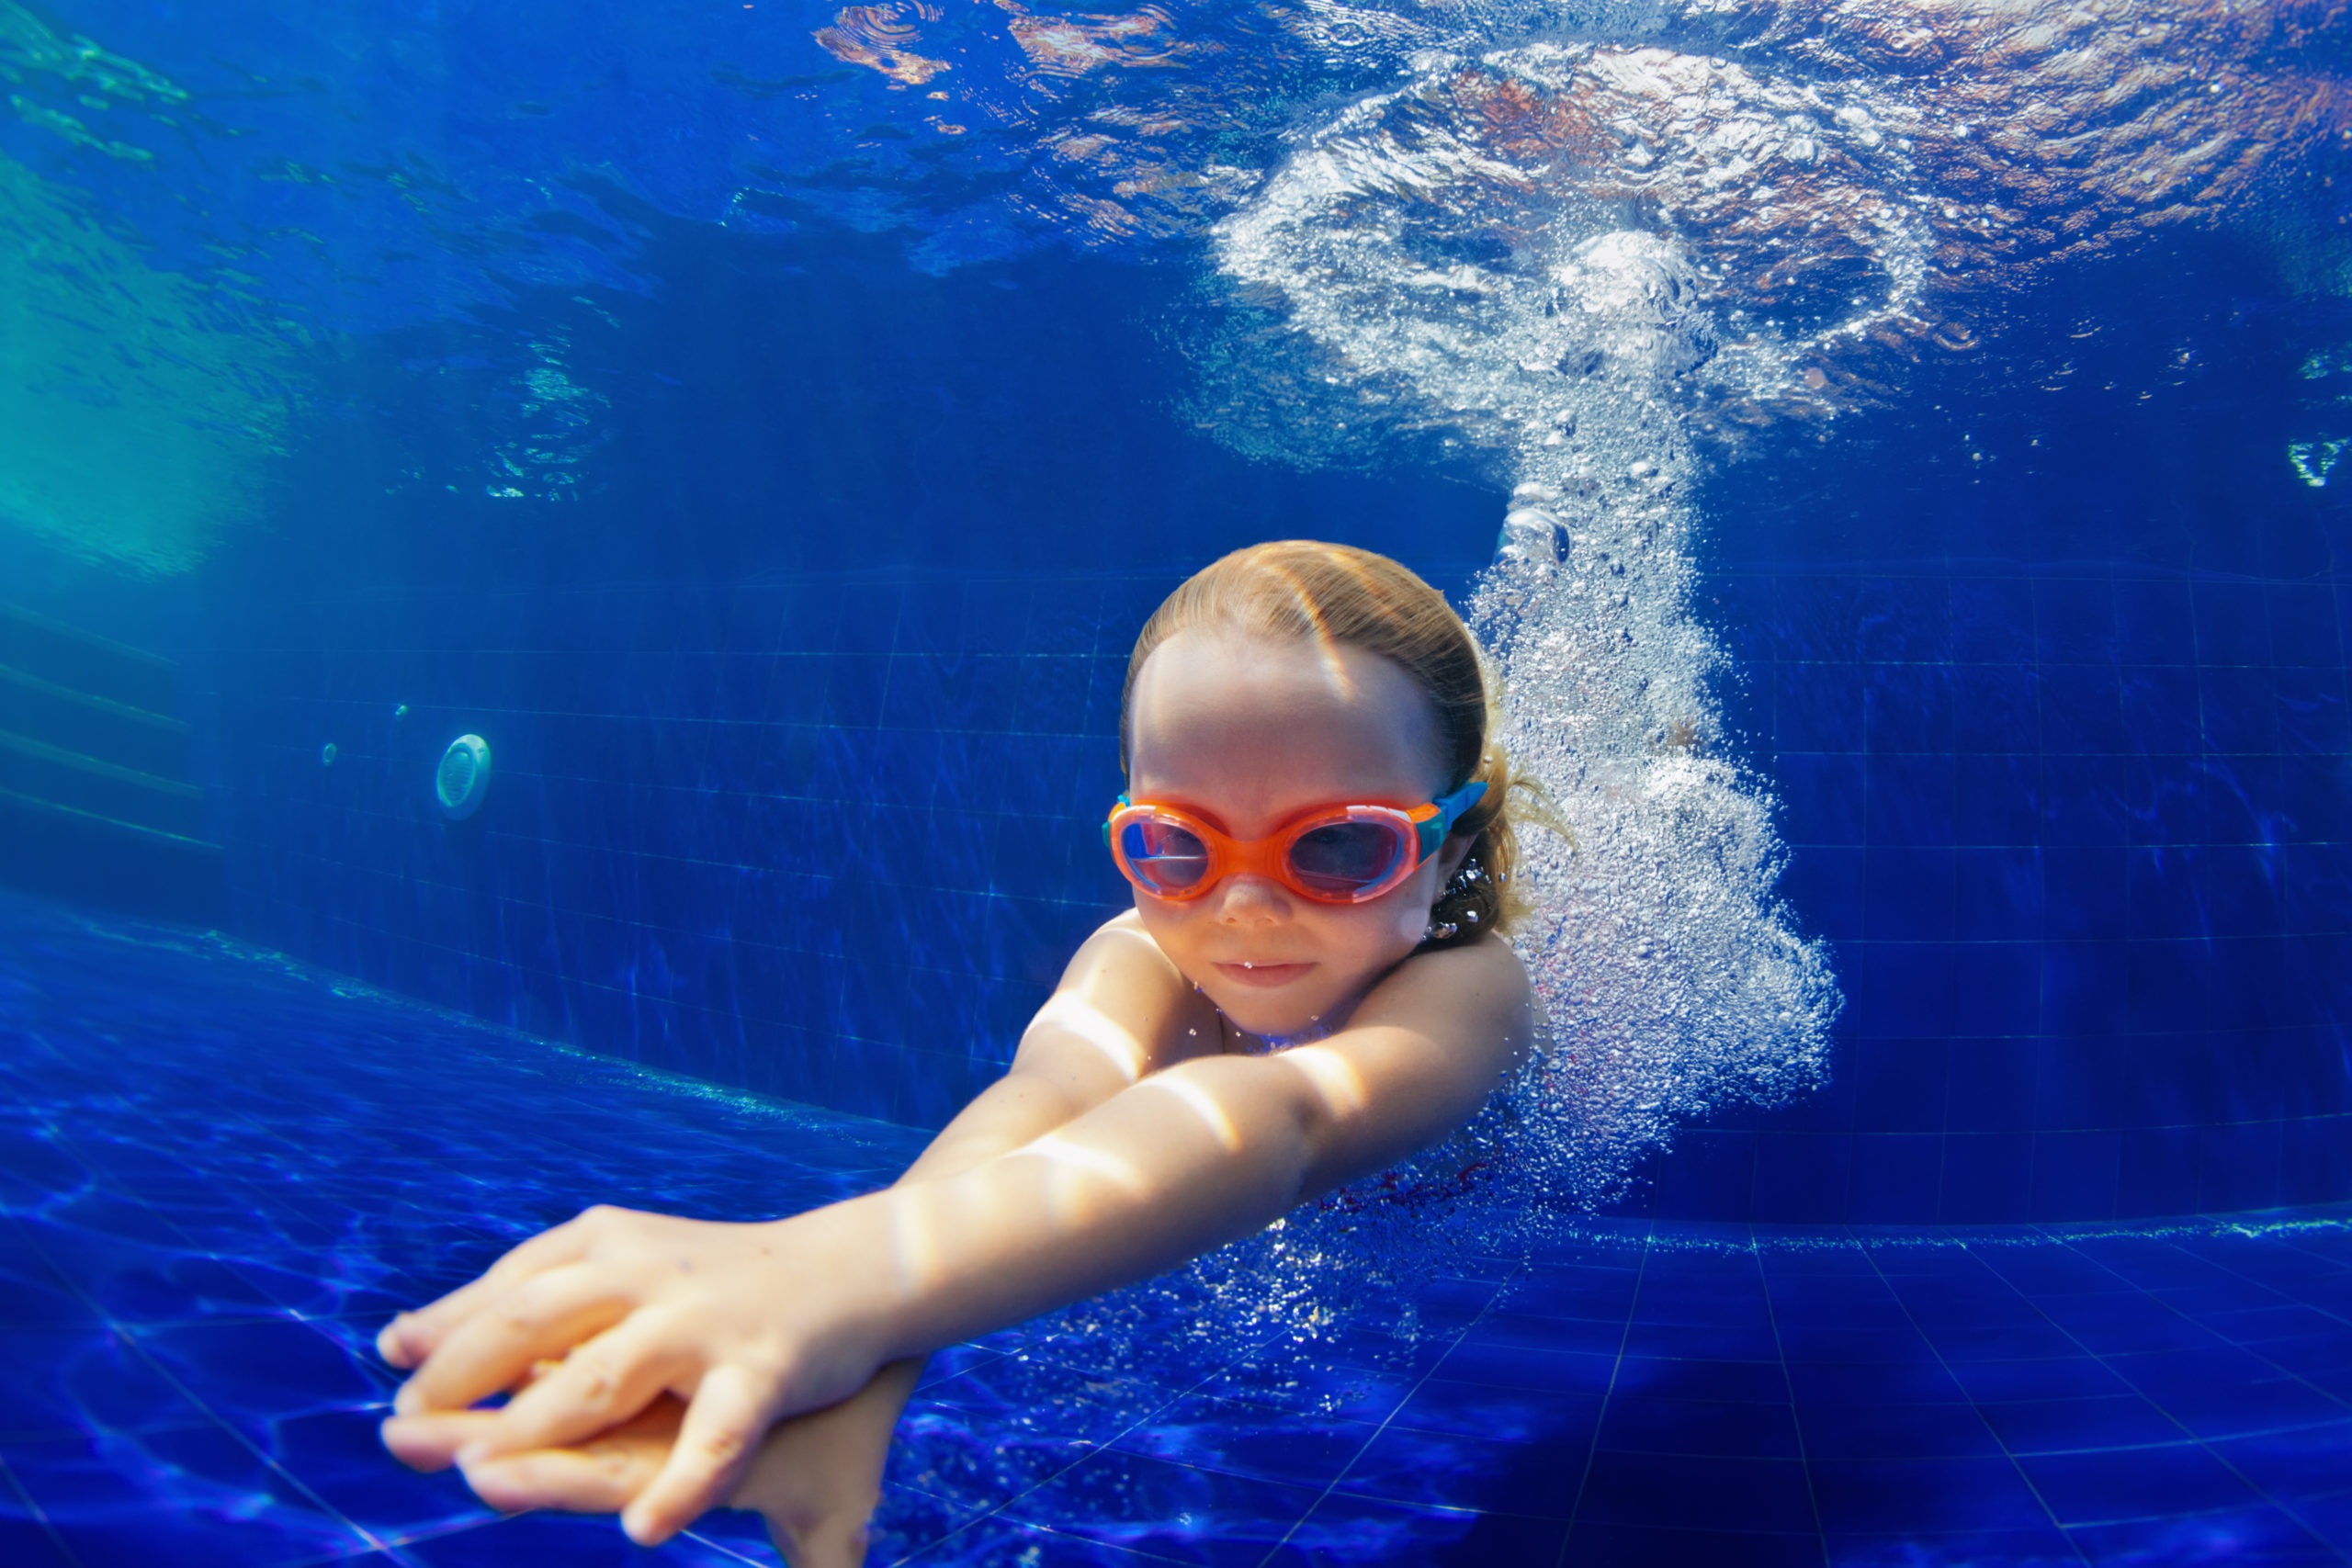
(1450, 808)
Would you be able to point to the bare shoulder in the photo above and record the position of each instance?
(1122, 1004)
(1121, 953)
(1478, 983)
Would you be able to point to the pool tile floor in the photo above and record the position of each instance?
(220, 1174)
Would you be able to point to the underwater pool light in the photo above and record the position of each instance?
(463, 777)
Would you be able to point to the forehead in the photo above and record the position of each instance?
(1254, 724)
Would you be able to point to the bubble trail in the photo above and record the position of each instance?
(1431, 273)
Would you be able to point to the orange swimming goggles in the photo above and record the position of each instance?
(1333, 854)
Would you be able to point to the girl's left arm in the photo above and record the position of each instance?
(755, 1322)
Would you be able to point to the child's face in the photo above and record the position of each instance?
(1249, 733)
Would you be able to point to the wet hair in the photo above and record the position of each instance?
(1335, 594)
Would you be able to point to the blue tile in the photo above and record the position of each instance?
(2038, 1378)
(1992, 620)
(1825, 884)
(1996, 799)
(1905, 620)
(1909, 708)
(1636, 1546)
(2233, 622)
(2083, 987)
(1661, 1490)
(2237, 710)
(2075, 621)
(1997, 985)
(1638, 1425)
(1996, 709)
(1912, 799)
(1822, 797)
(1986, 1178)
(1801, 1176)
(2314, 716)
(2255, 1535)
(1900, 1085)
(25, 1543)
(1908, 894)
(2044, 1548)
(2155, 622)
(2083, 801)
(2082, 710)
(1896, 1178)
(2293, 1464)
(2243, 891)
(1875, 1496)
(1819, 708)
(2087, 1424)
(2142, 1482)
(1879, 1432)
(1709, 1175)
(2305, 628)
(1993, 1084)
(1902, 989)
(2158, 1171)
(2314, 802)
(2168, 987)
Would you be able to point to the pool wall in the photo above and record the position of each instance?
(801, 795)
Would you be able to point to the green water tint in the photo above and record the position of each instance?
(134, 417)
(134, 423)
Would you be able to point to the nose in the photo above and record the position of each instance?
(1248, 899)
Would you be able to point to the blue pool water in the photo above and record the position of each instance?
(1895, 453)
(224, 1172)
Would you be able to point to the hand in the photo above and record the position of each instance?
(743, 1323)
(816, 1477)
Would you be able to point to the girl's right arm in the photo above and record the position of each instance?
(1121, 1012)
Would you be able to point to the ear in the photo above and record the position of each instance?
(1450, 856)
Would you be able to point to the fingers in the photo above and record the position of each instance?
(412, 1337)
(431, 1442)
(723, 1425)
(542, 1317)
(602, 1383)
(599, 1477)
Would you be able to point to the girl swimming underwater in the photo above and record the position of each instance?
(1310, 987)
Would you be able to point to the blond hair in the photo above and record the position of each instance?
(1336, 593)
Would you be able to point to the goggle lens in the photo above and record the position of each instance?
(1164, 856)
(1340, 860)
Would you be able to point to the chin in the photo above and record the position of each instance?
(1263, 1015)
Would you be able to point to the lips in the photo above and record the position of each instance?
(1263, 976)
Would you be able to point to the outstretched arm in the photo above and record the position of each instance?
(817, 1476)
(755, 1322)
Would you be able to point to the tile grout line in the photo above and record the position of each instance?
(40, 1516)
(2156, 1402)
(1332, 1485)
(129, 1338)
(1087, 1451)
(1616, 1367)
(1796, 1421)
(2049, 1513)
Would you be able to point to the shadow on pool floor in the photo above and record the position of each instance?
(221, 1173)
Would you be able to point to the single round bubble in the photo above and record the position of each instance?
(463, 777)
(326, 755)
